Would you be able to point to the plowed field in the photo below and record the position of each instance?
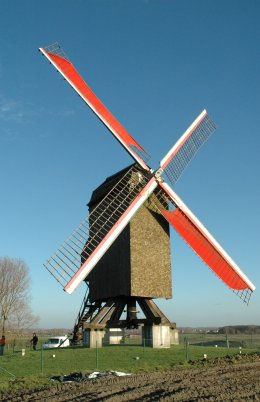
(229, 379)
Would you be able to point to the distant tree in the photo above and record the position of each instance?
(240, 329)
(14, 290)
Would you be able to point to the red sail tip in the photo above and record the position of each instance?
(68, 71)
(205, 250)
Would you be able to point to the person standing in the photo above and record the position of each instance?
(2, 345)
(34, 341)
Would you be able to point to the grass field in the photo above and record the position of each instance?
(34, 368)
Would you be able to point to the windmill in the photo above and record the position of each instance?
(87, 254)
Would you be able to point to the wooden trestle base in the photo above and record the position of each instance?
(106, 326)
(109, 315)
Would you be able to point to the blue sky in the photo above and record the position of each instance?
(156, 65)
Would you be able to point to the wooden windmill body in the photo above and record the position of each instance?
(138, 263)
(122, 250)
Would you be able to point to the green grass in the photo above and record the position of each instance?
(35, 368)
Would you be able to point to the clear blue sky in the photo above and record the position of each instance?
(156, 65)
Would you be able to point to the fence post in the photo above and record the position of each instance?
(186, 348)
(97, 355)
(42, 358)
(227, 342)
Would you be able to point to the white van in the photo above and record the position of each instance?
(56, 342)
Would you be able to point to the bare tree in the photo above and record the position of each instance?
(22, 318)
(14, 288)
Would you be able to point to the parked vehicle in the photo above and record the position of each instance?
(57, 342)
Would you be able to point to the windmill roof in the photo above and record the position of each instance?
(99, 193)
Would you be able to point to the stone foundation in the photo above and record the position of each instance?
(174, 336)
(156, 336)
(93, 338)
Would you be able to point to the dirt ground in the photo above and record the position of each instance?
(227, 379)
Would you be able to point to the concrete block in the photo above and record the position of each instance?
(156, 336)
(93, 338)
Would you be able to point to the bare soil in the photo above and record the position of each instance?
(227, 379)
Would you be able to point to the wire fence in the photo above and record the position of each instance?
(131, 354)
(249, 341)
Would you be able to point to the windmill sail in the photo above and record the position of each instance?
(181, 154)
(58, 58)
(78, 255)
(205, 246)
